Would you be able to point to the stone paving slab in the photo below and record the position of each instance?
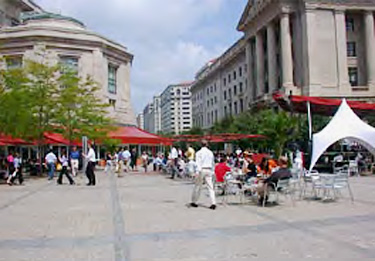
(145, 217)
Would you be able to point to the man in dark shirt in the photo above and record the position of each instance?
(282, 173)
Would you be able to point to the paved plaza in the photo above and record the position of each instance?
(144, 217)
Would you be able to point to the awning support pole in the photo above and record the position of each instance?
(309, 119)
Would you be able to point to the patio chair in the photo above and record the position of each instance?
(310, 178)
(232, 187)
(341, 182)
(353, 168)
(281, 188)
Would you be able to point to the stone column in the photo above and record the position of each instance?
(249, 61)
(370, 47)
(272, 59)
(342, 59)
(260, 64)
(286, 51)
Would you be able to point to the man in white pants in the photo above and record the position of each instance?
(205, 161)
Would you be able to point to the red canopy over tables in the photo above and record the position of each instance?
(322, 106)
(57, 138)
(217, 138)
(134, 135)
(8, 140)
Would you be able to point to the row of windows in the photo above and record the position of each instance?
(229, 78)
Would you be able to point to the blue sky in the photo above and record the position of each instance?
(170, 39)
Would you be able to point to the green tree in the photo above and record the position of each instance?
(79, 110)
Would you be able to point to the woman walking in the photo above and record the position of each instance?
(64, 171)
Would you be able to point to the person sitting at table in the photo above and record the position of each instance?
(249, 167)
(221, 169)
(267, 165)
(271, 181)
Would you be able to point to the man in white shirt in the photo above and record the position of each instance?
(174, 158)
(51, 160)
(205, 162)
(127, 159)
(90, 157)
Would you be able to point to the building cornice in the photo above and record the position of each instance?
(48, 35)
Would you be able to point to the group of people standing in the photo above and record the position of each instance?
(123, 159)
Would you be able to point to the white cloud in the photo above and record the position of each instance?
(160, 33)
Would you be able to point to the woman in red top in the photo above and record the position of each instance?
(221, 169)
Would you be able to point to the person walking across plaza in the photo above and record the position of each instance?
(133, 158)
(205, 161)
(126, 155)
(145, 160)
(190, 155)
(64, 171)
(74, 161)
(17, 173)
(90, 157)
(51, 160)
(174, 161)
(108, 162)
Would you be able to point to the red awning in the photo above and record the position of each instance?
(58, 139)
(8, 140)
(217, 138)
(322, 106)
(134, 135)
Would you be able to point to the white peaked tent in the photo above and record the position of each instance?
(344, 125)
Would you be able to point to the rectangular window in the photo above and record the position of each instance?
(240, 71)
(225, 111)
(225, 81)
(212, 89)
(215, 100)
(351, 49)
(112, 79)
(208, 103)
(235, 90)
(241, 105)
(234, 75)
(208, 91)
(229, 78)
(14, 62)
(225, 95)
(112, 103)
(350, 24)
(230, 93)
(353, 76)
(216, 117)
(215, 87)
(235, 108)
(69, 63)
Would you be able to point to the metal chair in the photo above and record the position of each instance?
(341, 182)
(310, 178)
(281, 188)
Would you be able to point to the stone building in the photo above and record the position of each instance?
(67, 41)
(220, 88)
(10, 11)
(140, 121)
(322, 48)
(152, 116)
(176, 112)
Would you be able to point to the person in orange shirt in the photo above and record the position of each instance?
(267, 165)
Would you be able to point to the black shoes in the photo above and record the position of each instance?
(213, 207)
(193, 205)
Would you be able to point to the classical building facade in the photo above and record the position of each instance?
(176, 108)
(322, 48)
(10, 11)
(220, 88)
(67, 41)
